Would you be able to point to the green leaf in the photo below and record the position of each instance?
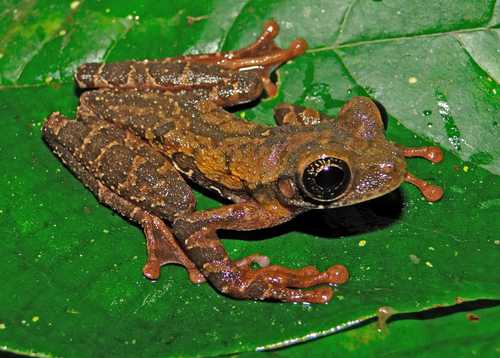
(461, 334)
(71, 269)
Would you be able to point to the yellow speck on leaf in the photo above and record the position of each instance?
(466, 168)
(2, 326)
(412, 80)
(74, 5)
(35, 319)
(362, 243)
(428, 263)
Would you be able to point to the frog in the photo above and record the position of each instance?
(147, 131)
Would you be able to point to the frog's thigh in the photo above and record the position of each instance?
(127, 165)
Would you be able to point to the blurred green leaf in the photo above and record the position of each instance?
(71, 269)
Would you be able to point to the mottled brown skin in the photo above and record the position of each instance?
(134, 144)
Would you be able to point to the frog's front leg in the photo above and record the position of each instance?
(196, 233)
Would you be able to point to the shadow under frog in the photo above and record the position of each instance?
(150, 127)
(335, 223)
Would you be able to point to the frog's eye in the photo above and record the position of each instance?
(326, 178)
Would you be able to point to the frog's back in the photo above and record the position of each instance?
(179, 122)
(198, 136)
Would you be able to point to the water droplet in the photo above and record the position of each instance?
(429, 124)
(427, 112)
(454, 135)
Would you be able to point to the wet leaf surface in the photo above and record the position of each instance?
(464, 333)
(71, 269)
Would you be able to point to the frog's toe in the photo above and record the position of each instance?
(337, 274)
(319, 295)
(152, 269)
(195, 276)
(261, 260)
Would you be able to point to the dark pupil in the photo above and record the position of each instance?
(326, 178)
(330, 177)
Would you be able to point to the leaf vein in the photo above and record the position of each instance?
(118, 39)
(471, 57)
(398, 38)
(343, 22)
(223, 40)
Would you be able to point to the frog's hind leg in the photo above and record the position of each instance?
(161, 246)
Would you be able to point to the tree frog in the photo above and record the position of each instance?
(147, 129)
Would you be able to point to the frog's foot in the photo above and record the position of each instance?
(263, 55)
(276, 282)
(265, 62)
(284, 284)
(429, 191)
(435, 155)
(163, 249)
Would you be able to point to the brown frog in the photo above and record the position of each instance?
(156, 123)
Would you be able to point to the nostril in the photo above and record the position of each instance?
(387, 167)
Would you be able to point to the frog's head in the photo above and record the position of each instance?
(349, 161)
